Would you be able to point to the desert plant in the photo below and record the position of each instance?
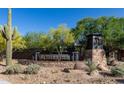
(32, 69)
(92, 66)
(13, 69)
(8, 34)
(117, 71)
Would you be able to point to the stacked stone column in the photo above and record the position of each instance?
(95, 51)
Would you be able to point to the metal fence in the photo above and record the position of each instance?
(38, 55)
(64, 57)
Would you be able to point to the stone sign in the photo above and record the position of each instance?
(95, 51)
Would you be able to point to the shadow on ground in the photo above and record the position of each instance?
(121, 81)
(106, 74)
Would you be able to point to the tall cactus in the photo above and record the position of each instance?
(8, 34)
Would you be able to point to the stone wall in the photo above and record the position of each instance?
(97, 56)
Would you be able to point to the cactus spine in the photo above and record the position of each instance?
(7, 33)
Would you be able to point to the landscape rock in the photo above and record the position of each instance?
(112, 62)
(98, 57)
(66, 70)
(102, 67)
(94, 73)
(80, 66)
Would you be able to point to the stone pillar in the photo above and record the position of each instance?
(95, 51)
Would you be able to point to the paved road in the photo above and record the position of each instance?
(4, 82)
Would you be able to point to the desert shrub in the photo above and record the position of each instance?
(117, 71)
(13, 69)
(91, 66)
(32, 69)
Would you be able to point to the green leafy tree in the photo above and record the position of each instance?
(113, 36)
(61, 38)
(84, 27)
(18, 42)
(2, 44)
(37, 40)
(112, 29)
(46, 42)
(32, 40)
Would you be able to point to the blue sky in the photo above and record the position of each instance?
(42, 19)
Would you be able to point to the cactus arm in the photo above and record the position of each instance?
(14, 33)
(3, 32)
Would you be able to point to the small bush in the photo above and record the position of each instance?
(117, 71)
(13, 69)
(91, 66)
(32, 69)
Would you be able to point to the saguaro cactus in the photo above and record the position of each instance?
(8, 34)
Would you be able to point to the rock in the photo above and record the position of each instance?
(44, 82)
(67, 80)
(80, 66)
(66, 70)
(55, 81)
(94, 73)
(54, 71)
(24, 77)
(102, 67)
(98, 57)
(112, 62)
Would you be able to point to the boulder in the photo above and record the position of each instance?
(94, 73)
(66, 70)
(112, 62)
(80, 66)
(102, 67)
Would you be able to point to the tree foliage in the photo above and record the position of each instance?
(18, 42)
(2, 43)
(37, 40)
(61, 37)
(55, 40)
(111, 28)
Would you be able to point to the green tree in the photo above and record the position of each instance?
(113, 36)
(2, 44)
(32, 40)
(18, 42)
(61, 38)
(84, 27)
(46, 42)
(37, 40)
(112, 29)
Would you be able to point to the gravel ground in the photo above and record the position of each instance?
(51, 73)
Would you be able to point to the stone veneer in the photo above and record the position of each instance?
(98, 57)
